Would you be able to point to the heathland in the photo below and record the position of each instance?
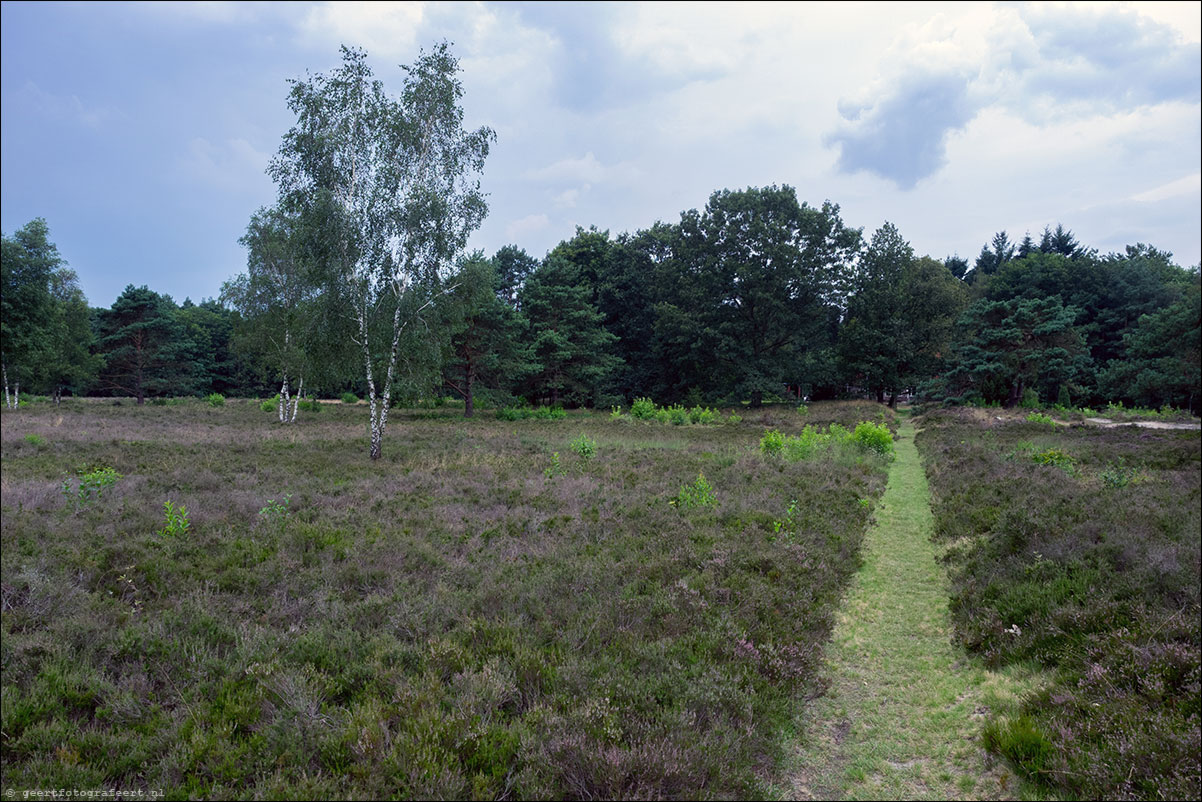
(201, 602)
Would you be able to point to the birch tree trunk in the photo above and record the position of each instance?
(8, 402)
(300, 386)
(281, 405)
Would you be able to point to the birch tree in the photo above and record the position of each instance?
(28, 262)
(399, 175)
(272, 297)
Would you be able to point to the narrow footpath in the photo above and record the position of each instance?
(904, 709)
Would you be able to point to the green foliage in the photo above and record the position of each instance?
(734, 418)
(35, 439)
(1120, 474)
(1039, 417)
(309, 405)
(772, 444)
(585, 447)
(176, 523)
(1095, 585)
(531, 413)
(697, 494)
(1021, 741)
(89, 486)
(350, 398)
(873, 437)
(1030, 398)
(215, 400)
(555, 468)
(785, 528)
(275, 513)
(1056, 458)
(270, 405)
(569, 343)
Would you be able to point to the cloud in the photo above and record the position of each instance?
(63, 107)
(1043, 63)
(529, 224)
(1188, 185)
(902, 137)
(234, 165)
(584, 170)
(387, 30)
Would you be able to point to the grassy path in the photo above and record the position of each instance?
(904, 709)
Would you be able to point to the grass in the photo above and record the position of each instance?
(1077, 549)
(904, 710)
(447, 622)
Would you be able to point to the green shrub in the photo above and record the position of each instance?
(350, 398)
(643, 409)
(734, 418)
(1030, 399)
(803, 410)
(35, 439)
(215, 399)
(1039, 417)
(702, 415)
(90, 485)
(772, 444)
(585, 447)
(176, 523)
(271, 404)
(698, 494)
(678, 415)
(873, 437)
(309, 405)
(1056, 458)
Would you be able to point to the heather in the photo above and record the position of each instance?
(248, 609)
(1077, 549)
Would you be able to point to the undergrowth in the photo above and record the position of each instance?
(442, 623)
(1078, 548)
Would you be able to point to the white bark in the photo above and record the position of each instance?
(300, 386)
(282, 404)
(8, 402)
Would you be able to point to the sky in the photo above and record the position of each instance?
(141, 132)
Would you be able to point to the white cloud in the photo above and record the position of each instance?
(234, 165)
(1190, 184)
(63, 107)
(530, 224)
(385, 30)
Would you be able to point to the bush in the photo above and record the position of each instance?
(350, 398)
(772, 444)
(1039, 417)
(585, 447)
(309, 405)
(271, 404)
(873, 437)
(678, 415)
(642, 409)
(698, 494)
(215, 399)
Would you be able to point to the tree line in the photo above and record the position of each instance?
(356, 281)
